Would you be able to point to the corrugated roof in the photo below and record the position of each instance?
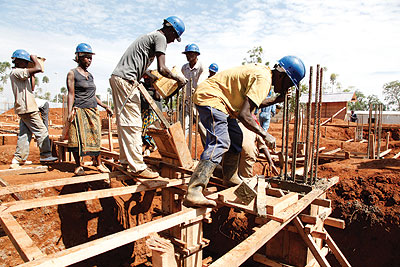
(332, 97)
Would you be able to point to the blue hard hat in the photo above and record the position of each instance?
(22, 54)
(294, 68)
(213, 67)
(178, 25)
(192, 48)
(84, 48)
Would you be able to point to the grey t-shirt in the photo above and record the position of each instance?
(139, 56)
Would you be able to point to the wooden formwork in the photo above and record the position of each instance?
(291, 220)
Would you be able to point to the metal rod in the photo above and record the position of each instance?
(283, 137)
(183, 111)
(196, 133)
(315, 126)
(380, 129)
(287, 137)
(375, 131)
(177, 107)
(369, 131)
(307, 152)
(190, 116)
(319, 123)
(295, 134)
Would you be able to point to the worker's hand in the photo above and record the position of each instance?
(182, 81)
(109, 111)
(71, 115)
(270, 141)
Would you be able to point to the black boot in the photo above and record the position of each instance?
(198, 182)
(230, 166)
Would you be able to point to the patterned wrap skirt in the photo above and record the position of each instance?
(84, 135)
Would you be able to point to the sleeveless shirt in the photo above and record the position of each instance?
(85, 91)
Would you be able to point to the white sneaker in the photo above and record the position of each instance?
(48, 159)
(26, 162)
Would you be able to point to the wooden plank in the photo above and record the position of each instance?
(57, 182)
(27, 170)
(384, 153)
(348, 141)
(336, 251)
(76, 197)
(153, 105)
(16, 196)
(331, 152)
(396, 156)
(180, 146)
(305, 218)
(338, 223)
(323, 202)
(286, 214)
(310, 243)
(282, 203)
(107, 243)
(245, 249)
(261, 199)
(333, 116)
(21, 241)
(260, 258)
(319, 234)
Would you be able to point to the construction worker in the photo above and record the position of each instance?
(124, 81)
(192, 71)
(212, 69)
(22, 82)
(84, 135)
(231, 94)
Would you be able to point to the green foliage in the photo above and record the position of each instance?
(363, 101)
(391, 91)
(45, 79)
(63, 90)
(4, 67)
(255, 55)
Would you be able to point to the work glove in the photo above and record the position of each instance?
(270, 141)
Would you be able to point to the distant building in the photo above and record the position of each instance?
(332, 103)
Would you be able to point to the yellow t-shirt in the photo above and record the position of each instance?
(227, 90)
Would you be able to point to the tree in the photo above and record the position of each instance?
(255, 55)
(45, 79)
(4, 66)
(63, 90)
(361, 103)
(391, 91)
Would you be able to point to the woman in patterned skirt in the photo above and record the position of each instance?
(84, 133)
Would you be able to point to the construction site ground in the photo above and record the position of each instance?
(367, 197)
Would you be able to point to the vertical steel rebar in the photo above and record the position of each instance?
(315, 125)
(318, 123)
(183, 111)
(287, 137)
(283, 138)
(369, 131)
(379, 130)
(307, 152)
(375, 131)
(295, 134)
(196, 133)
(177, 107)
(190, 116)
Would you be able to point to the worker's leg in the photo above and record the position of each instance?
(36, 126)
(230, 163)
(129, 124)
(24, 139)
(248, 156)
(44, 112)
(218, 141)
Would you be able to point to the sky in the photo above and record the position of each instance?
(357, 40)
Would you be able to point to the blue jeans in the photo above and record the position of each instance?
(265, 119)
(223, 134)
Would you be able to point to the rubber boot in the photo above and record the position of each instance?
(198, 182)
(230, 166)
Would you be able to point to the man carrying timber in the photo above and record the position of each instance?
(124, 81)
(231, 94)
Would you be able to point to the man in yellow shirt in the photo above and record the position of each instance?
(229, 95)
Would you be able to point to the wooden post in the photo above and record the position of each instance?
(369, 131)
(387, 140)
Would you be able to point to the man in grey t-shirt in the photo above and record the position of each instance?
(126, 96)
